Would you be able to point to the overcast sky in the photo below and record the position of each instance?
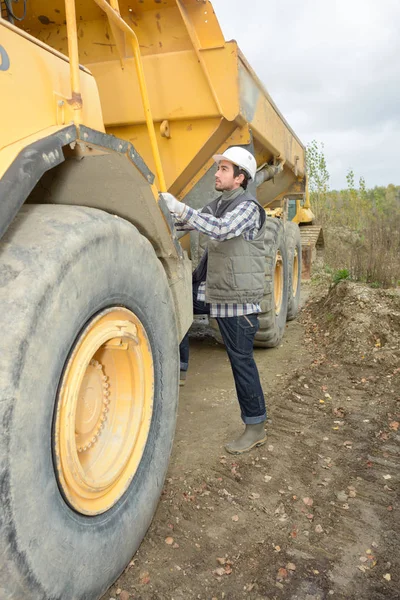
(333, 69)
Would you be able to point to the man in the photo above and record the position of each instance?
(228, 283)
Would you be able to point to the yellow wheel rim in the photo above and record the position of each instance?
(278, 282)
(295, 276)
(104, 411)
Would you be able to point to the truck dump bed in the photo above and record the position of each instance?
(204, 96)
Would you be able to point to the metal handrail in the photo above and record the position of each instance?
(112, 13)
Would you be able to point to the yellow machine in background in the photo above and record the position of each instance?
(102, 106)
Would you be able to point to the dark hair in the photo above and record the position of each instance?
(238, 171)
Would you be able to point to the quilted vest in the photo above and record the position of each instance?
(234, 270)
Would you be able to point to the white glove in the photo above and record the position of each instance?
(173, 204)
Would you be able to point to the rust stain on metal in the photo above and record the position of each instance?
(103, 44)
(45, 20)
(133, 16)
(158, 17)
(75, 100)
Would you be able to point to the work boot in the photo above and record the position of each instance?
(253, 435)
(182, 377)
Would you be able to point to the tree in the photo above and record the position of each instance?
(318, 177)
(353, 205)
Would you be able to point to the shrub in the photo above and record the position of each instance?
(341, 274)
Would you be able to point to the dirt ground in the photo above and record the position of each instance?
(314, 513)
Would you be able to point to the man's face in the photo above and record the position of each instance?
(225, 179)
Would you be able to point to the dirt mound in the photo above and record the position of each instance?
(314, 512)
(358, 323)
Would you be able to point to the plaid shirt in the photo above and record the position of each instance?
(243, 220)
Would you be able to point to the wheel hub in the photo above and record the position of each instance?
(92, 406)
(104, 411)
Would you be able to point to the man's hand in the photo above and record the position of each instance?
(173, 204)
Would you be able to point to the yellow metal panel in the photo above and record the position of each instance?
(176, 80)
(160, 30)
(194, 37)
(159, 27)
(176, 84)
(204, 22)
(27, 99)
(187, 140)
(221, 64)
(303, 215)
(42, 14)
(36, 88)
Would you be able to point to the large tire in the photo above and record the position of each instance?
(59, 268)
(293, 244)
(274, 303)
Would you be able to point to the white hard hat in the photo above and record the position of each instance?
(241, 157)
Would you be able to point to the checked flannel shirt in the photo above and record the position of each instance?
(243, 220)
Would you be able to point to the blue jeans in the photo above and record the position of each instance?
(238, 336)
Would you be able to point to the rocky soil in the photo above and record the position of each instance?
(313, 514)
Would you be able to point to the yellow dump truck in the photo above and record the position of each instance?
(102, 106)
